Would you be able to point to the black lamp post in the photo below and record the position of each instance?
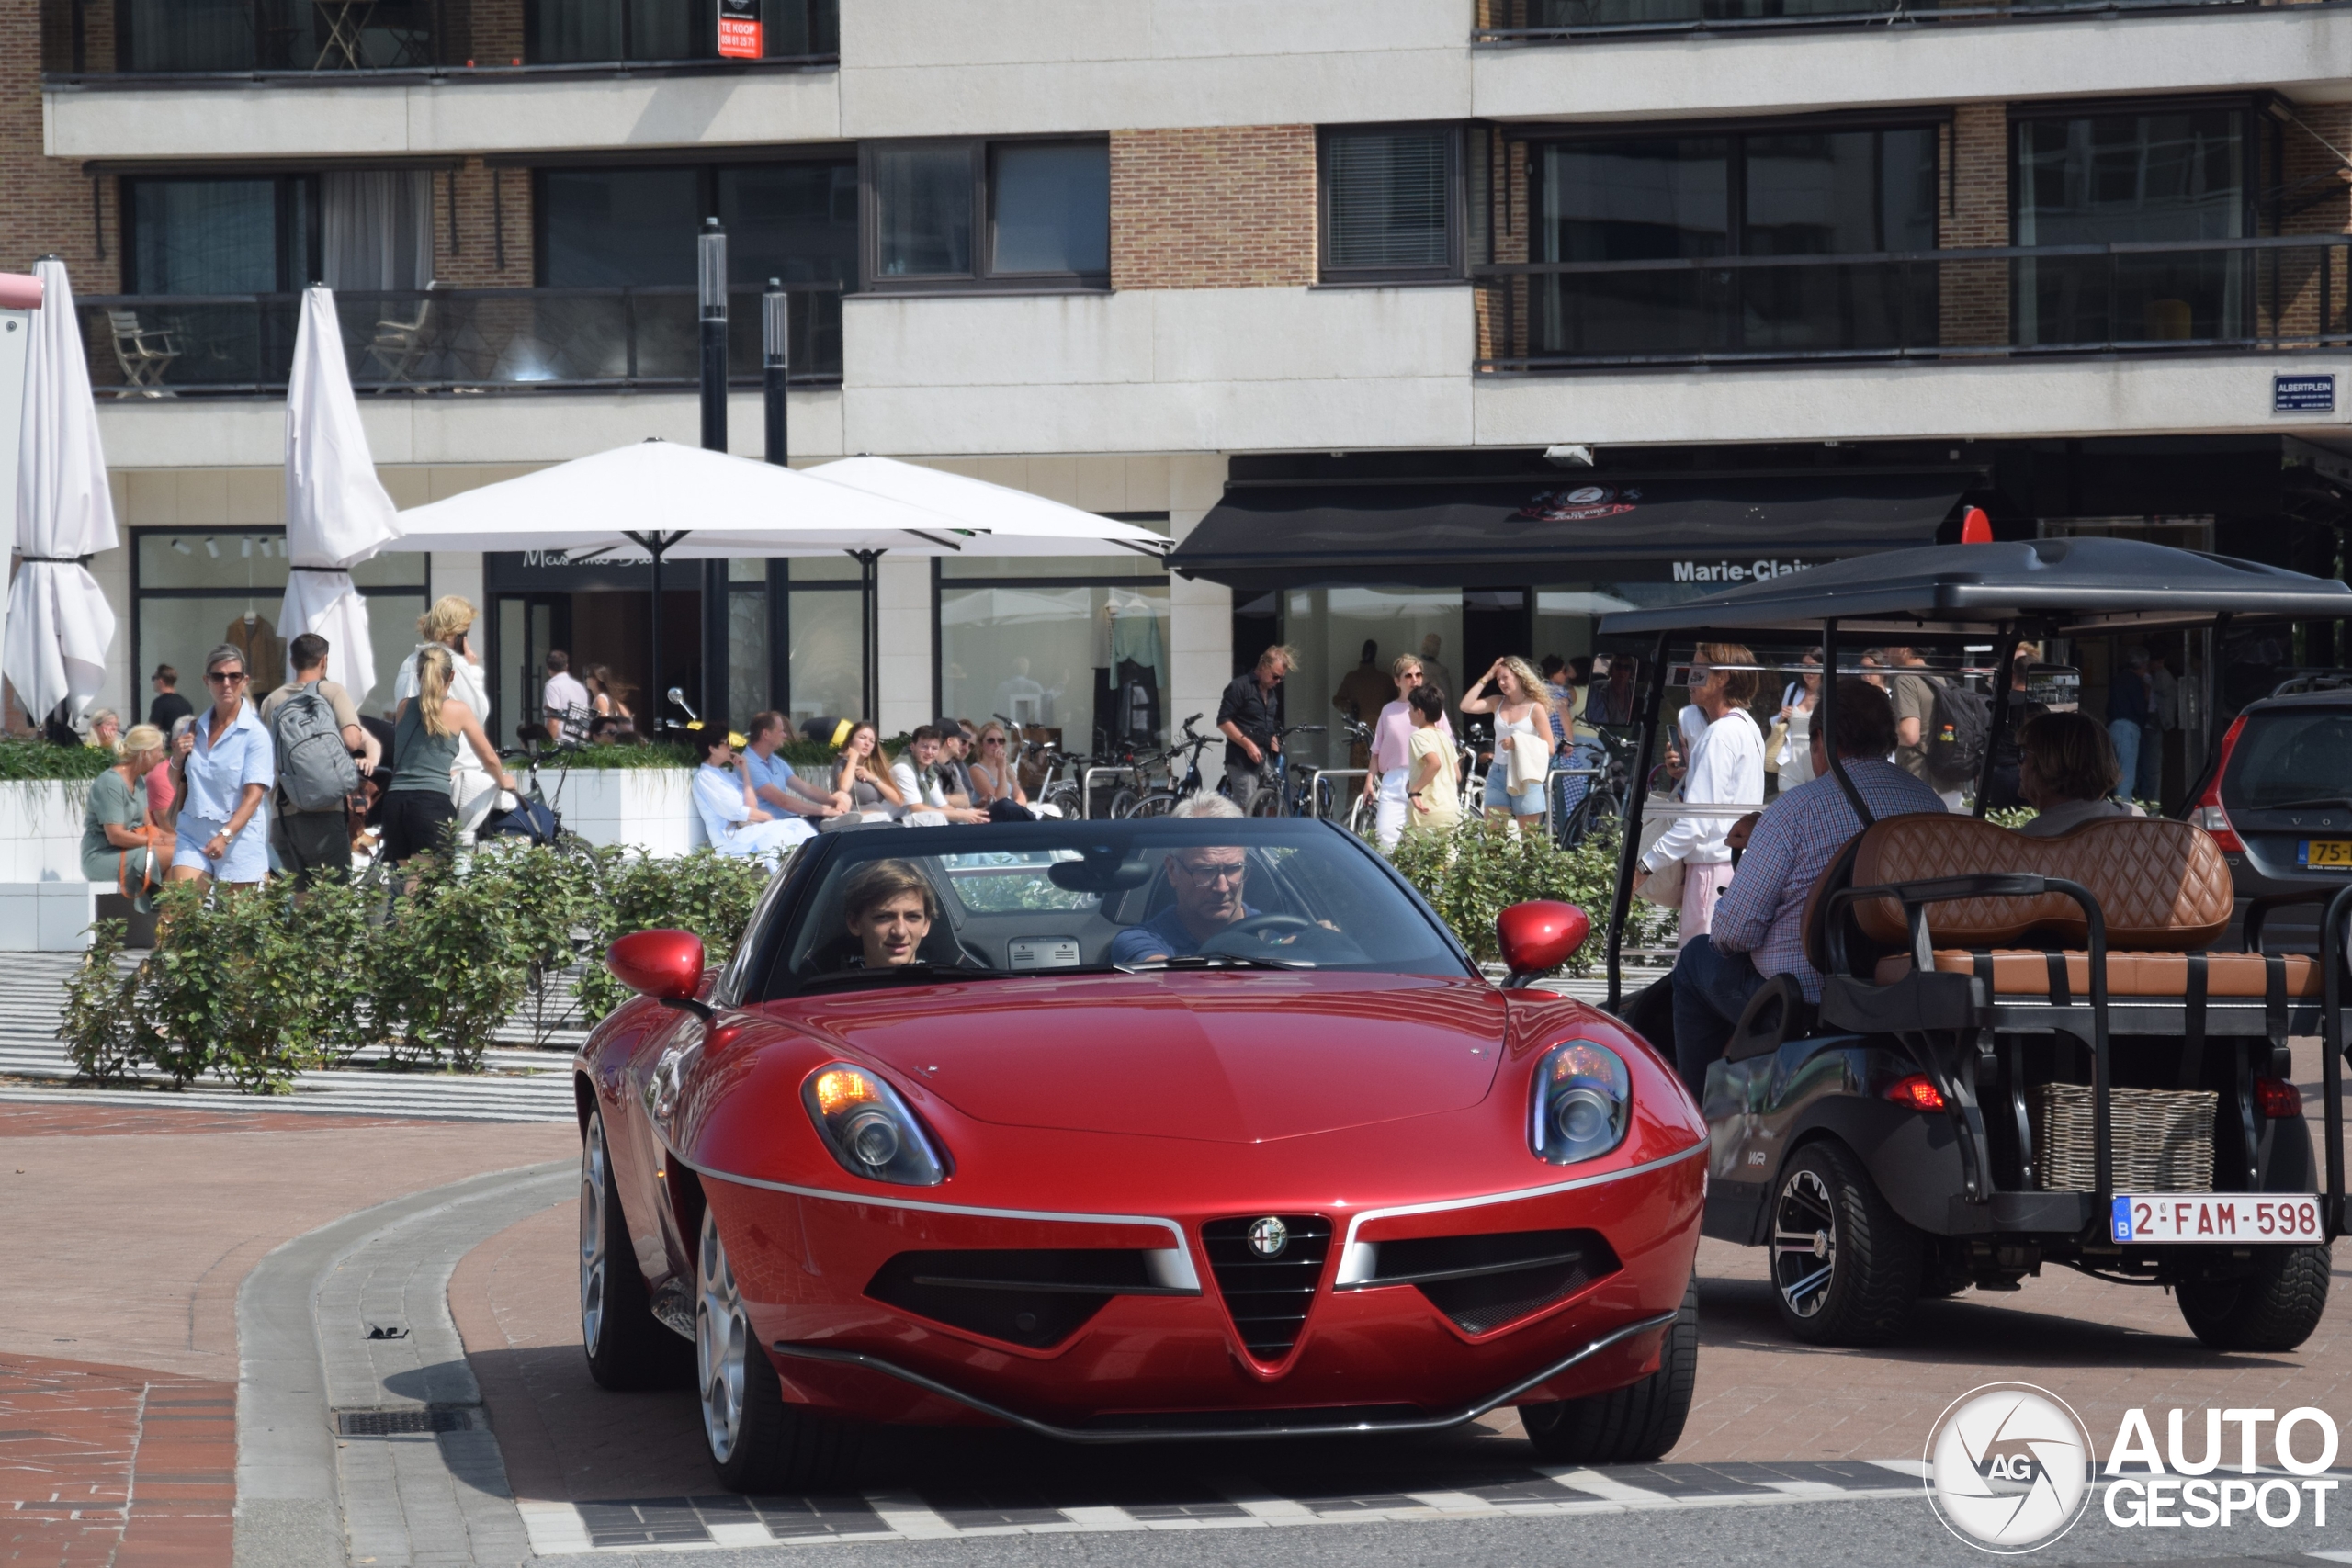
(711, 274)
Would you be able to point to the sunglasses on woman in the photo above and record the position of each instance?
(224, 677)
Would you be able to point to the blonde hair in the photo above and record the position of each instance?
(450, 617)
(1531, 679)
(1282, 651)
(435, 669)
(1739, 685)
(141, 738)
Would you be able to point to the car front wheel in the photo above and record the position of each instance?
(1632, 1425)
(757, 1443)
(1846, 1268)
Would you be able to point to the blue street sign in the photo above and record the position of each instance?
(2302, 394)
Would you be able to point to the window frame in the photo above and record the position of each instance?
(982, 278)
(2252, 152)
(1454, 269)
(283, 242)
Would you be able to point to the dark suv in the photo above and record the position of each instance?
(2279, 798)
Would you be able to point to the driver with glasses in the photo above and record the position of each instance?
(1206, 880)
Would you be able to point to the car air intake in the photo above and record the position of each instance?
(1267, 1267)
(1482, 1282)
(1037, 1297)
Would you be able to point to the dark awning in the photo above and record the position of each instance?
(1706, 528)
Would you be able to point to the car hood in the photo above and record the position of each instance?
(1229, 1056)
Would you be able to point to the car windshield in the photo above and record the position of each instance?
(2291, 756)
(887, 906)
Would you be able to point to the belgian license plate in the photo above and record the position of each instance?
(2228, 1218)
(2324, 854)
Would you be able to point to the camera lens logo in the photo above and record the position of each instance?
(2008, 1468)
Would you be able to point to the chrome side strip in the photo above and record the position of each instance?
(1144, 1434)
(1177, 1272)
(1358, 1258)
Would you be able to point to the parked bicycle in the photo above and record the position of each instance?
(1282, 790)
(1161, 800)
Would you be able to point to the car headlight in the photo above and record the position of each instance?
(1582, 1099)
(869, 1128)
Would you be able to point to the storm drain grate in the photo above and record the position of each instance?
(403, 1423)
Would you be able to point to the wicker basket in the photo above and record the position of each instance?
(2164, 1138)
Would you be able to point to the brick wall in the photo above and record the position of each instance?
(1501, 182)
(2312, 180)
(1223, 208)
(497, 32)
(45, 202)
(472, 262)
(1976, 211)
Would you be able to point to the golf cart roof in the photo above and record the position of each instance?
(2052, 586)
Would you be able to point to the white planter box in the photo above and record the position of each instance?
(40, 830)
(640, 808)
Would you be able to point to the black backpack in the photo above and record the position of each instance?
(1959, 728)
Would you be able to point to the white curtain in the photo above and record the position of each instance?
(376, 230)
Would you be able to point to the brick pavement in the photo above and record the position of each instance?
(108, 1465)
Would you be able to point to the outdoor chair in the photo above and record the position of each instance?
(399, 345)
(144, 354)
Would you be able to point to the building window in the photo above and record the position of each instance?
(1784, 193)
(1391, 209)
(2181, 174)
(1007, 214)
(193, 589)
(1076, 648)
(584, 32)
(820, 630)
(215, 236)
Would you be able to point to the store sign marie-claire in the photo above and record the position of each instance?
(2010, 1468)
(1736, 570)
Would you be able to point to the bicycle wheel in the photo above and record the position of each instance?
(1158, 803)
(1063, 796)
(1123, 802)
(1268, 801)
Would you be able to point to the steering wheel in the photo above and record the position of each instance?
(1257, 925)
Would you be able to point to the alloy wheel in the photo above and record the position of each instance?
(722, 1339)
(1804, 1243)
(593, 1245)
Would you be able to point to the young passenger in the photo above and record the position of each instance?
(889, 908)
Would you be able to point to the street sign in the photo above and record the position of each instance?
(2304, 394)
(739, 29)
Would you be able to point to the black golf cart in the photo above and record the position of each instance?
(2026, 1050)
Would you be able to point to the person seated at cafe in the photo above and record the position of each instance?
(120, 844)
(2067, 770)
(1206, 880)
(732, 817)
(921, 785)
(889, 907)
(955, 761)
(1758, 925)
(777, 788)
(995, 774)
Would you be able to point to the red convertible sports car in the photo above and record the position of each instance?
(1191, 1128)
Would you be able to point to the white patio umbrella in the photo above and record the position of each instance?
(1007, 521)
(337, 514)
(59, 627)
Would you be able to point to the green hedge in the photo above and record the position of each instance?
(252, 986)
(1486, 866)
(22, 759)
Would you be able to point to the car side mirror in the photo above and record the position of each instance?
(1539, 936)
(665, 965)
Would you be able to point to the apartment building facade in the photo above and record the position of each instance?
(1314, 286)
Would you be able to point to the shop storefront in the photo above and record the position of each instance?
(194, 589)
(1462, 571)
(1077, 648)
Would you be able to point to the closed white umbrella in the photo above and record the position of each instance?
(337, 514)
(60, 626)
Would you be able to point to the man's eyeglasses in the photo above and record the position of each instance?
(225, 677)
(1225, 874)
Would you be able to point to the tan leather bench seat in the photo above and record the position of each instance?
(2026, 973)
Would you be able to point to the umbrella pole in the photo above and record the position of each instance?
(656, 702)
(868, 585)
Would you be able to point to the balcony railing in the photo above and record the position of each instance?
(159, 42)
(448, 340)
(1561, 21)
(2150, 297)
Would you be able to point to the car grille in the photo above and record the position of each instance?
(1268, 1296)
(1482, 1282)
(1037, 1297)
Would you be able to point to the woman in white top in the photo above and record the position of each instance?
(1513, 692)
(472, 789)
(2066, 770)
(1726, 768)
(1391, 743)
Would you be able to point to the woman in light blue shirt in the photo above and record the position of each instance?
(732, 817)
(223, 768)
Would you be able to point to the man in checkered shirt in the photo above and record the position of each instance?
(1758, 929)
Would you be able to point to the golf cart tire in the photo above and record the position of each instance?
(1875, 1263)
(1635, 1425)
(2274, 1306)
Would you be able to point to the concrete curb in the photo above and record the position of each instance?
(306, 1497)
